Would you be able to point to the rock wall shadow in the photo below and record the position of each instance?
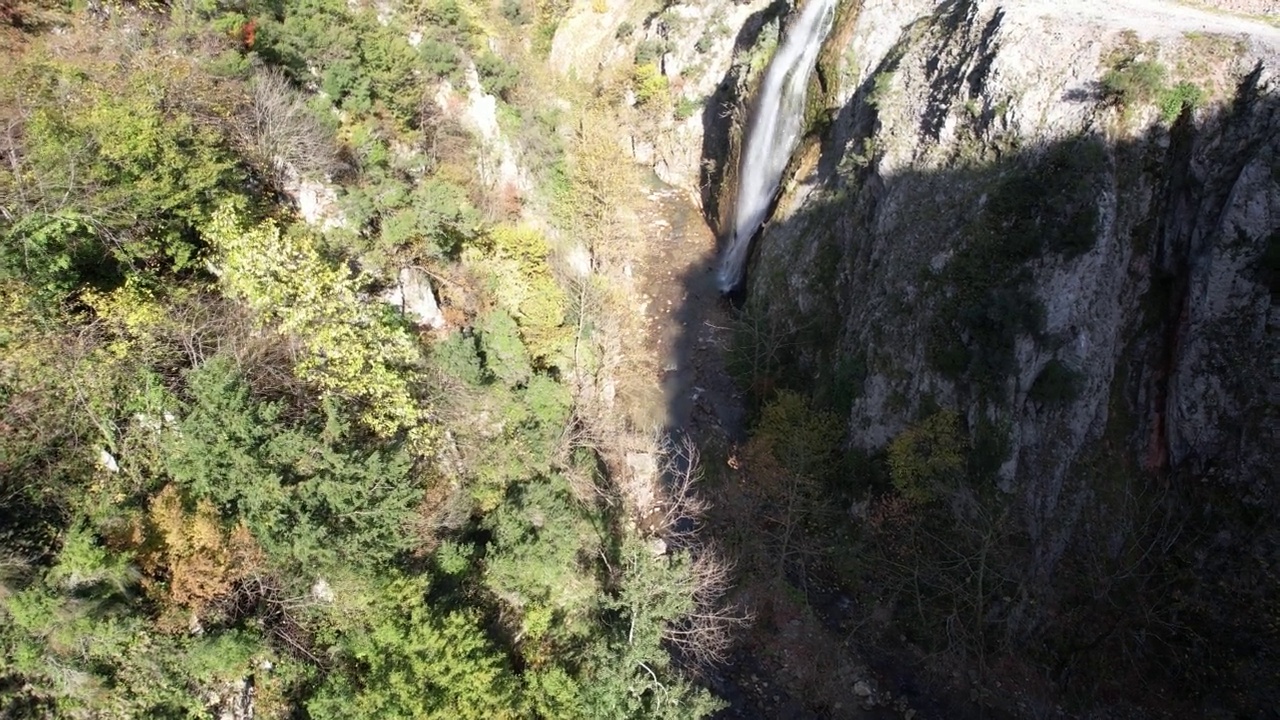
(1186, 625)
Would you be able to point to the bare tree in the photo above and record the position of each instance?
(678, 514)
(281, 132)
(704, 636)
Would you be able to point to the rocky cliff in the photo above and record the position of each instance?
(1061, 221)
(1002, 225)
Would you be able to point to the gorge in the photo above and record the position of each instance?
(1027, 252)
(621, 359)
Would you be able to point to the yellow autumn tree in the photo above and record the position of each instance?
(927, 456)
(349, 350)
(515, 258)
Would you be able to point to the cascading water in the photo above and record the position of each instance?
(775, 131)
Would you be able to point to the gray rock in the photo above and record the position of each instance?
(412, 294)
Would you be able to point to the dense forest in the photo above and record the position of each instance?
(233, 479)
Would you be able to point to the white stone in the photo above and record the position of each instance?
(321, 592)
(412, 294)
(107, 461)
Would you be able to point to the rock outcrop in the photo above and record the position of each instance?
(1063, 221)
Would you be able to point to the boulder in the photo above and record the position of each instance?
(413, 295)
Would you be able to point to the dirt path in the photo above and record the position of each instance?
(1150, 18)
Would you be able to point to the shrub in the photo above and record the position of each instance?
(624, 31)
(649, 83)
(439, 57)
(650, 52)
(1133, 82)
(927, 456)
(515, 13)
(880, 89)
(497, 76)
(1174, 100)
(687, 107)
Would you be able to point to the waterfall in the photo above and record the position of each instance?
(774, 133)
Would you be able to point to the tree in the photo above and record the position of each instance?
(543, 544)
(405, 660)
(311, 492)
(350, 350)
(282, 133)
(515, 258)
(928, 456)
(102, 172)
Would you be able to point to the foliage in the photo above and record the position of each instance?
(629, 671)
(405, 659)
(350, 350)
(1173, 100)
(804, 440)
(71, 639)
(515, 258)
(514, 11)
(107, 171)
(506, 359)
(240, 484)
(687, 107)
(520, 416)
(927, 457)
(309, 493)
(880, 89)
(497, 76)
(1133, 81)
(363, 64)
(542, 547)
(650, 85)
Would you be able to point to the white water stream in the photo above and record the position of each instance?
(774, 132)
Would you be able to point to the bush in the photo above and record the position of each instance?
(624, 31)
(687, 107)
(515, 13)
(650, 52)
(880, 89)
(649, 84)
(1133, 82)
(926, 457)
(497, 76)
(1173, 101)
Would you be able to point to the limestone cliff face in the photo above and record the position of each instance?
(989, 219)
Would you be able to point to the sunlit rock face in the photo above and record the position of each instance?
(1008, 210)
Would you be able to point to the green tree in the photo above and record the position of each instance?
(404, 659)
(107, 174)
(542, 550)
(312, 492)
(928, 456)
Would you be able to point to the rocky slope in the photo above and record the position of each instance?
(1061, 220)
(977, 158)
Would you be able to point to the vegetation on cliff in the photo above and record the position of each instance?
(231, 477)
